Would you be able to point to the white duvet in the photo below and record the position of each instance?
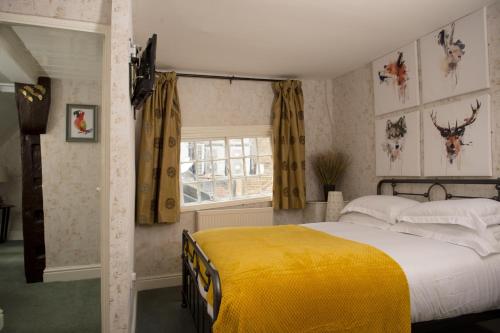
(445, 280)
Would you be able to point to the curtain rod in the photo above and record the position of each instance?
(225, 77)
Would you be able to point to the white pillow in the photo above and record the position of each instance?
(495, 230)
(483, 243)
(382, 207)
(474, 214)
(364, 220)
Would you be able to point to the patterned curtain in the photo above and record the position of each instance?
(158, 193)
(289, 188)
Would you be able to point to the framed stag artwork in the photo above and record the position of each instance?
(457, 138)
(395, 80)
(397, 141)
(81, 123)
(454, 59)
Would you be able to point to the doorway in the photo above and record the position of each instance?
(71, 177)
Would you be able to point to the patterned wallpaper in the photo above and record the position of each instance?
(117, 280)
(353, 102)
(71, 173)
(219, 103)
(96, 11)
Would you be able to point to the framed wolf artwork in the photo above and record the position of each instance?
(457, 138)
(454, 59)
(395, 80)
(397, 145)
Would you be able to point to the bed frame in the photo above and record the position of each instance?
(195, 261)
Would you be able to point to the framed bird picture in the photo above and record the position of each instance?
(81, 123)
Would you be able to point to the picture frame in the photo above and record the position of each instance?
(396, 80)
(457, 138)
(454, 58)
(82, 123)
(397, 145)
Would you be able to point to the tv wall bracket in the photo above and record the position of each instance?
(141, 71)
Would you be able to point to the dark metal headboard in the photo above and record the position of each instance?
(441, 184)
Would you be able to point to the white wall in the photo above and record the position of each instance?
(11, 192)
(10, 157)
(117, 278)
(71, 174)
(207, 102)
(355, 120)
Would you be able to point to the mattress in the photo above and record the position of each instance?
(445, 280)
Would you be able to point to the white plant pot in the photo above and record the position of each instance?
(334, 206)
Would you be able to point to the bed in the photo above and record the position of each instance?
(447, 283)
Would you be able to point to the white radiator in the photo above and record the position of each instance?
(209, 219)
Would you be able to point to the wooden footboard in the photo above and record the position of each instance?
(194, 261)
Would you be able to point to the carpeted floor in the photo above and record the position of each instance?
(56, 307)
(159, 310)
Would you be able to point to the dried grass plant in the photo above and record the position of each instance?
(330, 166)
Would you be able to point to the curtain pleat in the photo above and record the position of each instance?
(158, 192)
(289, 190)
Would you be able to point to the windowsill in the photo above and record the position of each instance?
(232, 203)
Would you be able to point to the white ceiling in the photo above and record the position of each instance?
(63, 54)
(303, 38)
(4, 79)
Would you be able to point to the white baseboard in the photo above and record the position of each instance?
(159, 281)
(71, 273)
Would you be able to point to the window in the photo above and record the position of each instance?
(225, 166)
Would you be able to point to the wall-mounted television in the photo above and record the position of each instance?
(142, 73)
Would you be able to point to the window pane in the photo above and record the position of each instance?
(187, 172)
(206, 191)
(222, 190)
(237, 167)
(187, 151)
(220, 168)
(252, 186)
(203, 170)
(251, 166)
(235, 149)
(190, 193)
(266, 165)
(264, 146)
(267, 185)
(225, 169)
(250, 146)
(237, 187)
(218, 149)
(203, 150)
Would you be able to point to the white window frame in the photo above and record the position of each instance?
(223, 132)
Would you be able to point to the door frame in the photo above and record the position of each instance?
(103, 30)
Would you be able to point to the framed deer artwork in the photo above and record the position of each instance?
(395, 80)
(397, 141)
(454, 59)
(457, 138)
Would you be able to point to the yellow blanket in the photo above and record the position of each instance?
(294, 279)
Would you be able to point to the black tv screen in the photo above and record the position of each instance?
(144, 80)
